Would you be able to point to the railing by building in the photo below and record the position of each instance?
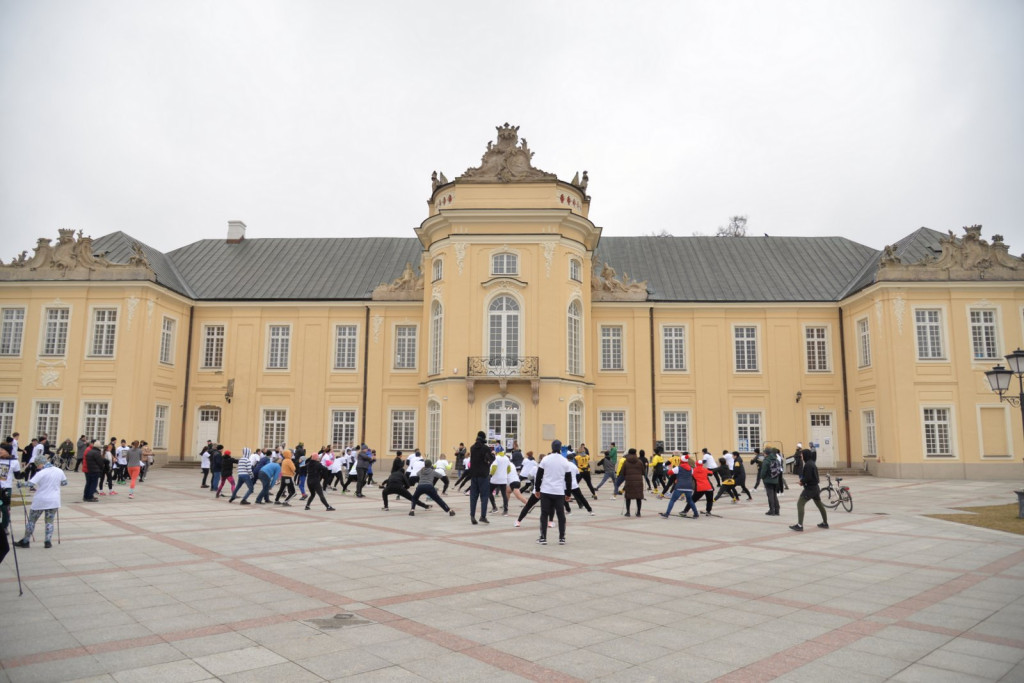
(503, 369)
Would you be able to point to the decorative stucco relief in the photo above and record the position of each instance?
(406, 287)
(899, 307)
(549, 253)
(460, 255)
(375, 324)
(966, 258)
(130, 304)
(609, 287)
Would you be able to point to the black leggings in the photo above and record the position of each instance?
(639, 502)
(403, 493)
(581, 500)
(431, 492)
(697, 496)
(316, 490)
(286, 485)
(585, 478)
(530, 502)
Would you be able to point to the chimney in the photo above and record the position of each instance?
(236, 232)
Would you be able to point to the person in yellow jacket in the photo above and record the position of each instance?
(583, 463)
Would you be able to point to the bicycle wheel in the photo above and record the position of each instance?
(832, 499)
(846, 499)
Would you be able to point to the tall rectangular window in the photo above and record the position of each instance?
(345, 344)
(48, 419)
(403, 430)
(676, 430)
(673, 341)
(55, 334)
(937, 440)
(745, 343)
(433, 430)
(12, 329)
(816, 343)
(611, 347)
(6, 419)
(95, 420)
(278, 346)
(574, 336)
(405, 347)
(748, 431)
(613, 429)
(275, 424)
(104, 331)
(436, 337)
(213, 346)
(575, 270)
(983, 335)
(576, 423)
(863, 343)
(870, 441)
(167, 341)
(438, 270)
(343, 428)
(928, 324)
(163, 413)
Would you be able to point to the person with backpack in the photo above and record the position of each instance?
(683, 487)
(770, 473)
(810, 482)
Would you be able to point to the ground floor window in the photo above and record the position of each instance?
(403, 430)
(613, 429)
(433, 430)
(48, 419)
(676, 430)
(748, 432)
(275, 422)
(6, 418)
(160, 426)
(937, 441)
(870, 443)
(343, 428)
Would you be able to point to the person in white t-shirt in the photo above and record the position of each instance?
(9, 466)
(46, 483)
(500, 468)
(443, 467)
(554, 484)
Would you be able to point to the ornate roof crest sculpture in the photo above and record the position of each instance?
(966, 258)
(608, 287)
(73, 259)
(406, 287)
(507, 161)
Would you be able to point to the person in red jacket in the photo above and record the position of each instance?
(704, 488)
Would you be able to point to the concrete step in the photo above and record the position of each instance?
(844, 471)
(182, 464)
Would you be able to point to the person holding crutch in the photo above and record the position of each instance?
(46, 483)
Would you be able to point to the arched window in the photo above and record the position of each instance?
(433, 429)
(436, 336)
(575, 423)
(503, 331)
(574, 336)
(503, 419)
(504, 264)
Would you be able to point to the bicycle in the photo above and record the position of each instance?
(833, 496)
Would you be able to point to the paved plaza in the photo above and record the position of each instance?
(177, 586)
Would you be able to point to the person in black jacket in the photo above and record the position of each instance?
(809, 480)
(315, 473)
(396, 485)
(479, 473)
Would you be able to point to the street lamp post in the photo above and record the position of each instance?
(999, 379)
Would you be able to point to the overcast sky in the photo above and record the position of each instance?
(167, 119)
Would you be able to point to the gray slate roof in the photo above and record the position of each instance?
(699, 269)
(729, 269)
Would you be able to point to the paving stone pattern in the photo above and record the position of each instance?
(177, 586)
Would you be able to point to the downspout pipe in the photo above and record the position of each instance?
(188, 375)
(366, 370)
(654, 406)
(846, 389)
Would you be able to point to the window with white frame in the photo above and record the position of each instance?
(278, 346)
(163, 414)
(816, 344)
(213, 346)
(613, 429)
(167, 341)
(676, 430)
(96, 415)
(55, 334)
(503, 331)
(863, 343)
(436, 337)
(405, 347)
(611, 347)
(48, 418)
(504, 264)
(6, 418)
(673, 343)
(938, 442)
(745, 342)
(438, 269)
(403, 430)
(12, 329)
(983, 334)
(274, 429)
(748, 431)
(575, 423)
(345, 344)
(575, 270)
(870, 439)
(433, 430)
(104, 331)
(343, 428)
(574, 336)
(928, 325)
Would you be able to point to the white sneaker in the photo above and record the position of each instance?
(516, 525)
(593, 514)
(551, 525)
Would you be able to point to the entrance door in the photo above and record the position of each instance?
(503, 421)
(207, 429)
(822, 439)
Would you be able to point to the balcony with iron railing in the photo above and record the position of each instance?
(503, 369)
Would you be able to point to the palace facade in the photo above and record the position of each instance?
(509, 312)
